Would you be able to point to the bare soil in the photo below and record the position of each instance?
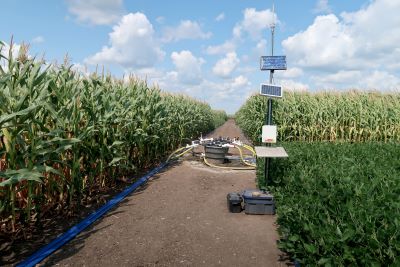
(179, 218)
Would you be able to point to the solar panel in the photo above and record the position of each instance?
(271, 90)
(273, 63)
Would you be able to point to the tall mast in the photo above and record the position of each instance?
(268, 116)
(272, 26)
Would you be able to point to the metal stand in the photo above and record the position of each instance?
(269, 131)
(268, 116)
(268, 121)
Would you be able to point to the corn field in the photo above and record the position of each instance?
(62, 134)
(328, 116)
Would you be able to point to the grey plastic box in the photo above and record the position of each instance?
(234, 202)
(258, 202)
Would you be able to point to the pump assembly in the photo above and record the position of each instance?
(216, 153)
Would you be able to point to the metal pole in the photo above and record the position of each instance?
(268, 160)
(268, 117)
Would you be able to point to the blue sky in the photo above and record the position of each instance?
(211, 49)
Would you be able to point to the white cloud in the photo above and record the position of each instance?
(355, 41)
(96, 12)
(227, 47)
(240, 81)
(326, 43)
(339, 78)
(261, 48)
(151, 75)
(5, 48)
(380, 80)
(376, 29)
(356, 50)
(187, 29)
(254, 23)
(322, 6)
(220, 17)
(228, 94)
(15, 51)
(4, 52)
(290, 73)
(290, 85)
(249, 70)
(368, 80)
(225, 66)
(132, 44)
(81, 69)
(188, 67)
(234, 90)
(38, 40)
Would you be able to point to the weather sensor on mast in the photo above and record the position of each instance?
(269, 131)
(272, 63)
(272, 26)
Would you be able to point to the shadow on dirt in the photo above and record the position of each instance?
(13, 252)
(74, 246)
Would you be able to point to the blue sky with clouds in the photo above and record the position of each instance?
(211, 49)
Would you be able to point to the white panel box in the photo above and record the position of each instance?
(269, 134)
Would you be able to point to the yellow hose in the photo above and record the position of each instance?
(188, 149)
(178, 150)
(227, 168)
(184, 152)
(241, 156)
(250, 149)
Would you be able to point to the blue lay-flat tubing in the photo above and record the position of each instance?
(47, 250)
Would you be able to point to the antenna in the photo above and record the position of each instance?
(272, 26)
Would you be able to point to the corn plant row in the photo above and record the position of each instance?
(63, 135)
(326, 116)
(338, 204)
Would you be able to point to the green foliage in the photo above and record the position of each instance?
(338, 204)
(62, 135)
(338, 193)
(329, 116)
(220, 117)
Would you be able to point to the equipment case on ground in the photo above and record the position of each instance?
(258, 202)
(234, 202)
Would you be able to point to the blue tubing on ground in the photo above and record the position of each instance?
(47, 250)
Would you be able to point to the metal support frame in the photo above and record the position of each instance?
(268, 115)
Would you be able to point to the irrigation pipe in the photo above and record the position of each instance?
(50, 248)
(57, 243)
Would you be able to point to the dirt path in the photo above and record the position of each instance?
(179, 219)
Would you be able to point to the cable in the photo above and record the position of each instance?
(184, 152)
(251, 149)
(227, 168)
(178, 150)
(243, 160)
